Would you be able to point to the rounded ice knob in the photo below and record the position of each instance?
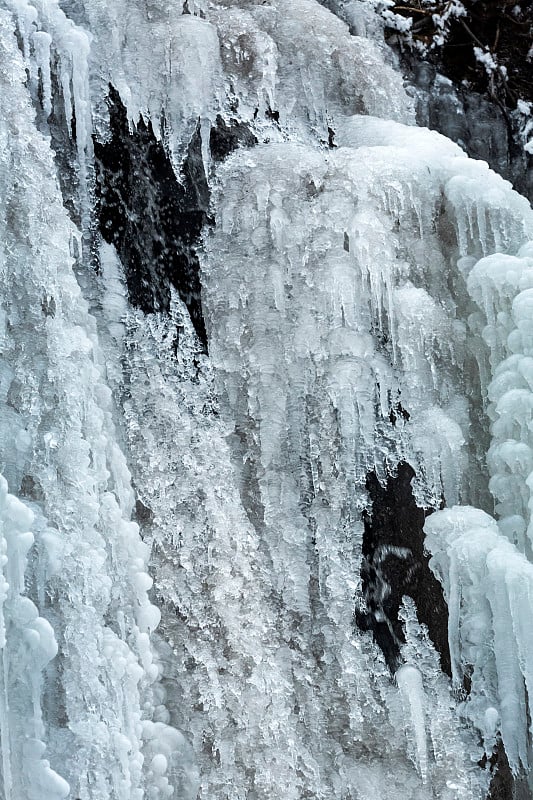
(159, 764)
(491, 718)
(408, 675)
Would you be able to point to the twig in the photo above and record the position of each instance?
(497, 37)
(414, 10)
(471, 34)
(499, 70)
(522, 24)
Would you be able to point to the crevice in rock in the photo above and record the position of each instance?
(395, 564)
(153, 219)
(62, 132)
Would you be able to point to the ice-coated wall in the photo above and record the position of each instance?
(181, 620)
(86, 572)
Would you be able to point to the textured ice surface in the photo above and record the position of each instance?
(28, 644)
(366, 303)
(310, 255)
(485, 566)
(59, 447)
(488, 585)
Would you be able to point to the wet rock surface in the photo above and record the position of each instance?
(504, 786)
(153, 219)
(472, 73)
(395, 564)
(483, 128)
(226, 137)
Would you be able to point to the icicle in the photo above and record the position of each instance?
(484, 568)
(410, 684)
(26, 16)
(510, 678)
(5, 744)
(78, 47)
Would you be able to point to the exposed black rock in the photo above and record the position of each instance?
(395, 564)
(224, 138)
(153, 219)
(272, 114)
(503, 785)
(477, 109)
(398, 412)
(143, 514)
(503, 28)
(482, 127)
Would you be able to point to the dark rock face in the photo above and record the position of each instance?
(153, 219)
(503, 28)
(504, 786)
(483, 128)
(478, 107)
(225, 138)
(395, 564)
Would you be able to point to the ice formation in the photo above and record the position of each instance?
(486, 566)
(180, 621)
(59, 448)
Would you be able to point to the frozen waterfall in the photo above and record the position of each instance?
(258, 332)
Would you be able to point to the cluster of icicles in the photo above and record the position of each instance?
(336, 281)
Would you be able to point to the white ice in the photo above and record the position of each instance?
(366, 303)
